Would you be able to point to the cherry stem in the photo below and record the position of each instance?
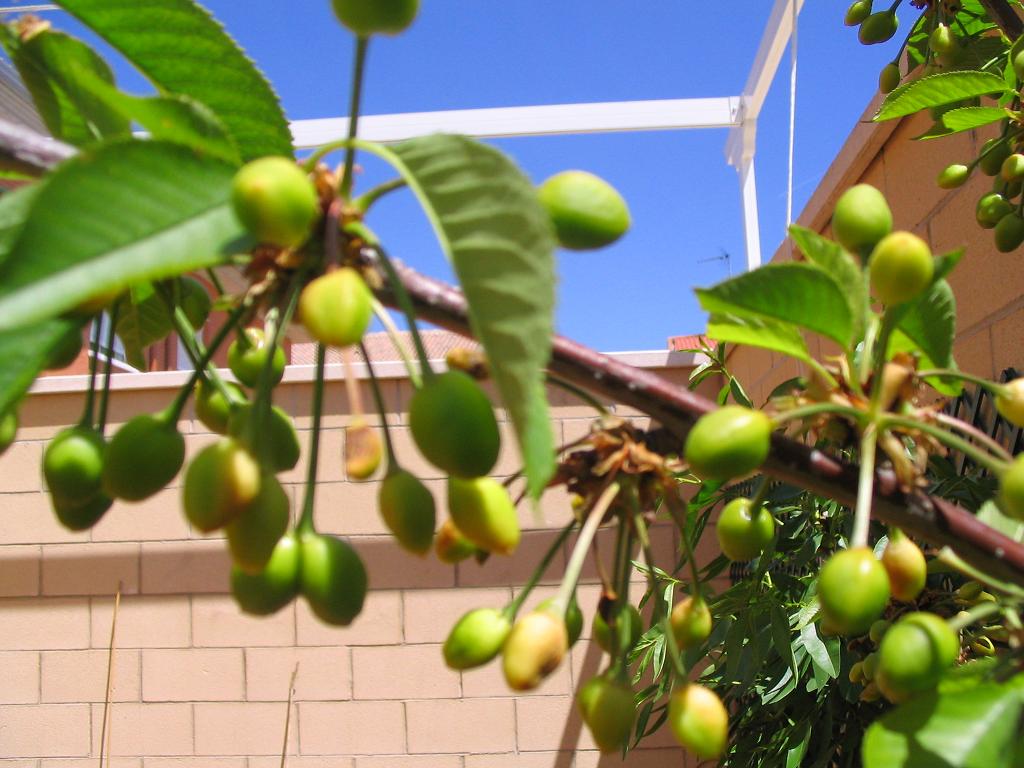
(950, 558)
(679, 514)
(972, 431)
(517, 602)
(101, 421)
(194, 349)
(355, 399)
(396, 341)
(579, 551)
(624, 564)
(362, 44)
(378, 398)
(865, 487)
(364, 201)
(90, 396)
(996, 466)
(973, 614)
(582, 394)
(306, 524)
(815, 409)
(948, 373)
(215, 281)
(661, 612)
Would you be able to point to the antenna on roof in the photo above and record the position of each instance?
(726, 257)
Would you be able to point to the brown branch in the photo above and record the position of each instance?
(1002, 13)
(25, 151)
(676, 408)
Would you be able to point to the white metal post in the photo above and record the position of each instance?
(751, 226)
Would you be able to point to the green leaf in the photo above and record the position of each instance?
(938, 89)
(930, 322)
(795, 293)
(990, 515)
(969, 118)
(816, 649)
(142, 319)
(757, 332)
(24, 353)
(975, 728)
(900, 342)
(128, 212)
(14, 208)
(490, 224)
(841, 267)
(183, 50)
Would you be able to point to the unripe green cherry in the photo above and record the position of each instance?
(275, 200)
(453, 425)
(336, 308)
(901, 267)
(573, 620)
(1009, 402)
(861, 218)
(992, 156)
(476, 638)
(73, 466)
(743, 534)
(1017, 61)
(628, 622)
(1011, 489)
(1012, 168)
(275, 586)
(376, 17)
(332, 578)
(451, 546)
(195, 301)
(212, 408)
(255, 531)
(534, 649)
(727, 443)
(878, 630)
(905, 564)
(220, 482)
(142, 457)
(691, 622)
(853, 588)
(1009, 233)
(857, 12)
(81, 517)
(282, 439)
(699, 721)
(247, 360)
(407, 507)
(483, 511)
(991, 209)
(586, 211)
(914, 654)
(878, 27)
(889, 78)
(608, 710)
(953, 176)
(942, 39)
(8, 430)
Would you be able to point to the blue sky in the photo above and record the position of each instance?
(683, 196)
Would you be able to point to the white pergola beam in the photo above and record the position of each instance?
(550, 120)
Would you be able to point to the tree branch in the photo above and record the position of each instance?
(676, 408)
(1002, 13)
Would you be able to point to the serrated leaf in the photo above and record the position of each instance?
(966, 119)
(142, 319)
(758, 332)
(24, 353)
(183, 50)
(936, 90)
(14, 208)
(801, 294)
(490, 224)
(976, 728)
(900, 342)
(930, 322)
(840, 266)
(124, 213)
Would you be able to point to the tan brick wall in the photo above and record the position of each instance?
(196, 684)
(989, 285)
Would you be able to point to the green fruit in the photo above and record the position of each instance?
(1012, 168)
(73, 466)
(332, 578)
(870, 667)
(81, 517)
(212, 408)
(889, 78)
(608, 710)
(247, 360)
(743, 535)
(878, 27)
(483, 511)
(275, 586)
(336, 308)
(953, 176)
(220, 482)
(728, 443)
(1011, 489)
(66, 350)
(451, 546)
(992, 156)
(453, 425)
(878, 630)
(8, 430)
(691, 622)
(376, 17)
(573, 620)
(1009, 402)
(275, 201)
(857, 12)
(914, 654)
(901, 267)
(476, 638)
(1017, 61)
(942, 39)
(1009, 233)
(628, 622)
(534, 649)
(142, 458)
(408, 510)
(699, 721)
(991, 209)
(282, 441)
(906, 567)
(586, 211)
(255, 531)
(194, 300)
(861, 218)
(853, 588)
